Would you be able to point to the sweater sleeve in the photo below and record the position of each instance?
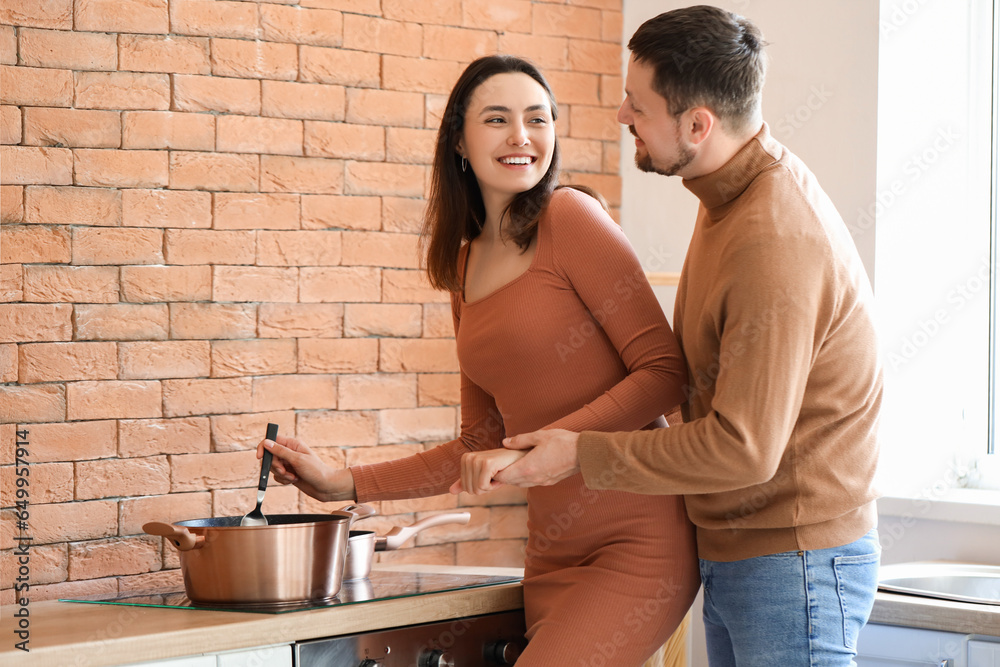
(775, 305)
(596, 257)
(432, 472)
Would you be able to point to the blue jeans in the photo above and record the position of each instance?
(794, 609)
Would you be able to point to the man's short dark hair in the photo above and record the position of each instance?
(704, 56)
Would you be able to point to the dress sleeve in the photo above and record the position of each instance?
(432, 472)
(592, 252)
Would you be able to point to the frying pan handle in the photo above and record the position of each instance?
(400, 534)
(181, 537)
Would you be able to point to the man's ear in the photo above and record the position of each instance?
(697, 123)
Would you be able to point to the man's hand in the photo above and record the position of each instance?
(552, 458)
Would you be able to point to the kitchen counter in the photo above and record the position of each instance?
(70, 634)
(945, 615)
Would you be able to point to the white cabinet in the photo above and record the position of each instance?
(196, 661)
(891, 646)
(279, 655)
(984, 653)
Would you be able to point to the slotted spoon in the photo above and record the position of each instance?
(256, 517)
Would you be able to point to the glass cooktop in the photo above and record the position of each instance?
(381, 585)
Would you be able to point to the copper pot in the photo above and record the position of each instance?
(295, 558)
(362, 544)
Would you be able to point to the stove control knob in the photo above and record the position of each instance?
(502, 653)
(436, 659)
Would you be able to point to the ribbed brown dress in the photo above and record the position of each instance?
(579, 342)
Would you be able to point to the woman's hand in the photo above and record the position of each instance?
(294, 463)
(479, 468)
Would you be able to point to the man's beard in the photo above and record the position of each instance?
(645, 162)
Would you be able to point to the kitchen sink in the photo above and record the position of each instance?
(961, 582)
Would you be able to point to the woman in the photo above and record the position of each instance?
(556, 326)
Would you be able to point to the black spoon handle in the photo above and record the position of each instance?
(265, 462)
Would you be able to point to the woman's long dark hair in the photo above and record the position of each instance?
(455, 211)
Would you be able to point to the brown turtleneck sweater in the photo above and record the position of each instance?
(774, 312)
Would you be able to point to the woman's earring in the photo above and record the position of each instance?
(465, 164)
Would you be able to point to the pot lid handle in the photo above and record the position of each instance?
(400, 534)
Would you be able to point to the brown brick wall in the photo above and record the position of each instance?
(209, 215)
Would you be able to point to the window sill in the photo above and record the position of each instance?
(975, 506)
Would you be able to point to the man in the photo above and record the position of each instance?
(778, 447)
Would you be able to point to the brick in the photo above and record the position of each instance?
(63, 362)
(336, 284)
(72, 127)
(459, 44)
(612, 161)
(69, 522)
(166, 283)
(11, 282)
(122, 90)
(63, 49)
(47, 563)
(343, 140)
(75, 589)
(382, 319)
(566, 21)
(500, 15)
(152, 360)
(8, 365)
(301, 174)
(35, 244)
(382, 178)
(338, 355)
(56, 14)
(234, 502)
(593, 56)
(287, 99)
(438, 389)
(385, 107)
(73, 441)
(300, 320)
(434, 106)
(611, 26)
(120, 169)
(25, 165)
(438, 554)
(610, 185)
(403, 214)
(214, 171)
(34, 403)
(546, 52)
(75, 205)
(102, 558)
(151, 437)
(209, 246)
(417, 355)
(593, 123)
(295, 392)
(156, 53)
(329, 211)
(575, 87)
(490, 553)
(301, 26)
(165, 579)
(165, 208)
(11, 203)
(166, 508)
(122, 245)
(22, 323)
(410, 145)
(381, 249)
(441, 12)
(581, 155)
(142, 16)
(222, 470)
(255, 60)
(237, 358)
(123, 321)
(36, 87)
(378, 35)
(149, 475)
(614, 5)
(416, 424)
(612, 90)
(248, 134)
(252, 283)
(338, 429)
(183, 398)
(73, 284)
(319, 64)
(376, 391)
(301, 248)
(8, 45)
(356, 6)
(167, 129)
(419, 74)
(113, 399)
(404, 286)
(232, 433)
(209, 321)
(214, 18)
(213, 93)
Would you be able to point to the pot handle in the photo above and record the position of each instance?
(359, 511)
(400, 534)
(181, 537)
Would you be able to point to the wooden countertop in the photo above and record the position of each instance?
(68, 634)
(944, 615)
